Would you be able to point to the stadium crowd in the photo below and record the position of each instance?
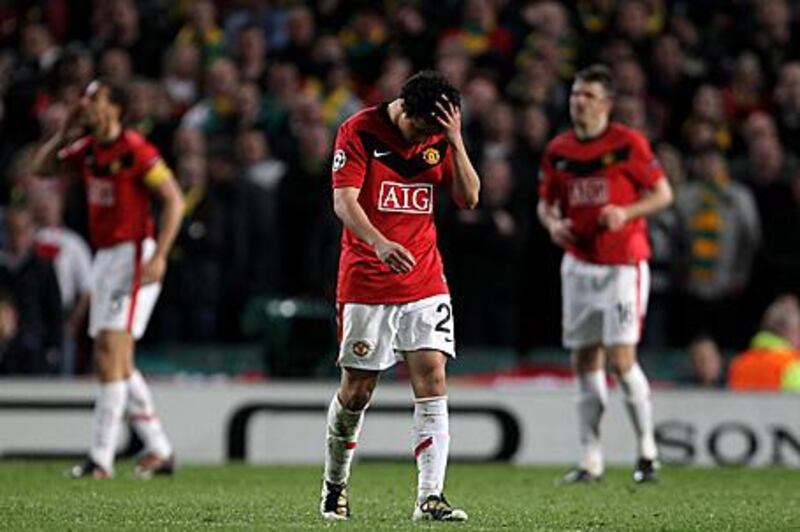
(243, 99)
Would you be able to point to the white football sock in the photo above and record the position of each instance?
(431, 444)
(592, 399)
(343, 428)
(144, 419)
(640, 408)
(106, 423)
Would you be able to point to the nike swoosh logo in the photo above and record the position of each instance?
(379, 154)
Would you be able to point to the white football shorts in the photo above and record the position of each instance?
(375, 337)
(118, 301)
(602, 304)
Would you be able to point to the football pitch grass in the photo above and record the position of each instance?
(38, 496)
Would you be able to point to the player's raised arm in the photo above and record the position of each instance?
(46, 160)
(466, 185)
(161, 181)
(352, 215)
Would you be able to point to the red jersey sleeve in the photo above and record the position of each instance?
(145, 156)
(646, 170)
(549, 188)
(73, 154)
(349, 159)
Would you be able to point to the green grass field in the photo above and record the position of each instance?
(38, 496)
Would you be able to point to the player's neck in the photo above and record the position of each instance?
(592, 130)
(108, 132)
(394, 110)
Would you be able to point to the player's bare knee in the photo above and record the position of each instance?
(588, 359)
(356, 389)
(355, 397)
(621, 359)
(431, 383)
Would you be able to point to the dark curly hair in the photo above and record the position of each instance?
(421, 92)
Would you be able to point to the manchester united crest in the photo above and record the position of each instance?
(431, 156)
(361, 348)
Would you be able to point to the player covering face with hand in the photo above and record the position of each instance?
(122, 171)
(393, 299)
(598, 183)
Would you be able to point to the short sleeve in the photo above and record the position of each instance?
(74, 153)
(549, 189)
(349, 160)
(646, 169)
(146, 156)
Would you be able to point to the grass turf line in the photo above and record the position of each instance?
(39, 496)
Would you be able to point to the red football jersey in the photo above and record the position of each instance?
(584, 176)
(397, 181)
(116, 193)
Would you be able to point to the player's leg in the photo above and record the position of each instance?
(582, 320)
(588, 363)
(426, 340)
(157, 457)
(636, 388)
(623, 326)
(431, 424)
(345, 418)
(365, 349)
(343, 427)
(112, 353)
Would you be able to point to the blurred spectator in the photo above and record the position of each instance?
(182, 77)
(202, 31)
(195, 280)
(745, 93)
(773, 38)
(707, 110)
(246, 254)
(772, 362)
(9, 327)
(550, 38)
(416, 37)
(488, 245)
(115, 67)
(251, 54)
(672, 84)
(260, 166)
(366, 42)
(666, 232)
(72, 260)
(261, 13)
(396, 70)
(214, 114)
(723, 233)
(705, 364)
(31, 282)
(301, 32)
(120, 24)
(499, 139)
(787, 113)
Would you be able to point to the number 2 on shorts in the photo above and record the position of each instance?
(443, 325)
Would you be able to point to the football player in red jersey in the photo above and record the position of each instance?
(598, 183)
(392, 295)
(121, 172)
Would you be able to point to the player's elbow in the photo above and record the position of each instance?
(667, 196)
(468, 200)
